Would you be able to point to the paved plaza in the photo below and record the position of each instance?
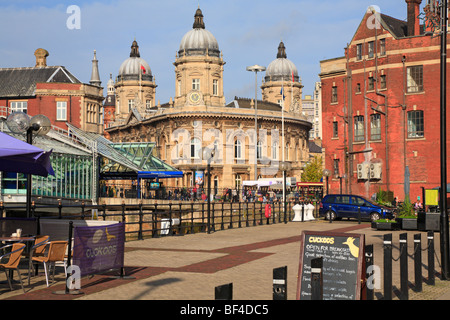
(189, 267)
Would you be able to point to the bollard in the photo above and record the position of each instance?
(417, 263)
(317, 279)
(280, 283)
(329, 215)
(369, 271)
(359, 215)
(430, 238)
(403, 266)
(387, 250)
(224, 292)
(303, 212)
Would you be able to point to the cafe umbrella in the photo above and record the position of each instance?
(21, 157)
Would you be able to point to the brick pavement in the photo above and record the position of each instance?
(190, 267)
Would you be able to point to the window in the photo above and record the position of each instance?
(195, 84)
(371, 50)
(286, 152)
(61, 110)
(371, 85)
(358, 88)
(415, 124)
(19, 106)
(237, 149)
(130, 104)
(383, 82)
(195, 148)
(359, 128)
(215, 87)
(382, 47)
(375, 127)
(259, 150)
(148, 104)
(179, 87)
(336, 167)
(334, 96)
(335, 129)
(414, 79)
(237, 181)
(274, 150)
(359, 51)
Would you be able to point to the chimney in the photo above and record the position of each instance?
(41, 58)
(413, 17)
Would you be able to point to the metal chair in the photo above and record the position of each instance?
(37, 250)
(55, 253)
(13, 263)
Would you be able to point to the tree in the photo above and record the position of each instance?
(313, 170)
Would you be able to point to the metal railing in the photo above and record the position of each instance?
(165, 219)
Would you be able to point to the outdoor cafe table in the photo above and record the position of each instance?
(14, 239)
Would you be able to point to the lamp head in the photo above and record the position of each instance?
(41, 124)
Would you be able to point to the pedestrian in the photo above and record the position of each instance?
(395, 202)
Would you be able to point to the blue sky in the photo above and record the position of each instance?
(248, 33)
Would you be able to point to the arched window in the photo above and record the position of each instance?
(259, 150)
(195, 147)
(237, 149)
(275, 150)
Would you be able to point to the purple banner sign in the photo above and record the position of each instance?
(100, 248)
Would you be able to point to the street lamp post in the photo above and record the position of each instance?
(208, 155)
(256, 68)
(285, 166)
(443, 100)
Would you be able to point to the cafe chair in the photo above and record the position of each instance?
(13, 262)
(55, 253)
(37, 250)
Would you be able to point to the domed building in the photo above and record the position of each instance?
(283, 74)
(199, 117)
(135, 86)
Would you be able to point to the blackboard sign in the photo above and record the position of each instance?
(343, 262)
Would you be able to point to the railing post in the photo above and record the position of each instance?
(403, 266)
(417, 263)
(239, 210)
(246, 214)
(140, 236)
(430, 238)
(254, 213)
(224, 292)
(192, 217)
(59, 210)
(369, 271)
(231, 215)
(317, 279)
(222, 226)
(280, 283)
(170, 220)
(213, 228)
(124, 219)
(387, 268)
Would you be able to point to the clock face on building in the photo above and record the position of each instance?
(195, 97)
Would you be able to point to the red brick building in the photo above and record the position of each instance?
(380, 105)
(54, 92)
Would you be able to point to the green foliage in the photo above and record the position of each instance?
(383, 198)
(406, 209)
(313, 170)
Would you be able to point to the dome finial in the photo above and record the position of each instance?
(281, 51)
(135, 50)
(198, 23)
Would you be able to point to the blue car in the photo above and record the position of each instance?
(336, 206)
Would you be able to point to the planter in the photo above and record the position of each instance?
(429, 221)
(407, 223)
(386, 225)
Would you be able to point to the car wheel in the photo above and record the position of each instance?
(375, 216)
(330, 215)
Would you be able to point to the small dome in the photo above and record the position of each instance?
(199, 41)
(281, 68)
(135, 66)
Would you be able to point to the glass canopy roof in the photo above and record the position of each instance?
(126, 160)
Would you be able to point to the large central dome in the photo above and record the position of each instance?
(199, 41)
